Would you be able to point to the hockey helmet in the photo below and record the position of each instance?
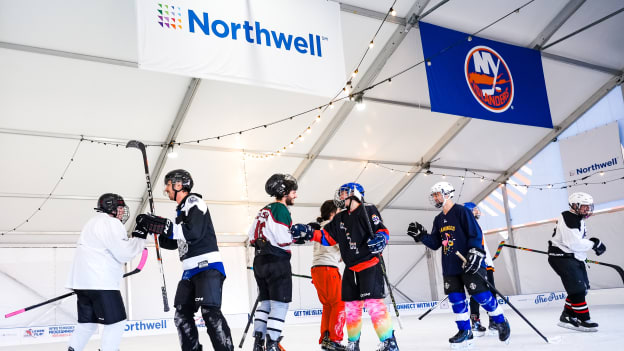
(279, 185)
(350, 190)
(473, 207)
(445, 189)
(110, 203)
(577, 200)
(180, 176)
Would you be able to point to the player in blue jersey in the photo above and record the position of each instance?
(456, 230)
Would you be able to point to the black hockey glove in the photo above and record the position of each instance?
(301, 233)
(154, 224)
(377, 243)
(599, 248)
(416, 231)
(138, 233)
(315, 225)
(473, 260)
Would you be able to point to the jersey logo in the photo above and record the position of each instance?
(448, 242)
(376, 219)
(489, 79)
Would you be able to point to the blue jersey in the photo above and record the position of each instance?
(456, 231)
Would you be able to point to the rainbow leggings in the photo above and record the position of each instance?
(382, 322)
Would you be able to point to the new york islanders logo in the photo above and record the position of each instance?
(489, 79)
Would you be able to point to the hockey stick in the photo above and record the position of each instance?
(139, 145)
(293, 274)
(135, 271)
(251, 314)
(383, 266)
(432, 308)
(498, 250)
(550, 341)
(616, 267)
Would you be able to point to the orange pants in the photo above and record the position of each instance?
(328, 285)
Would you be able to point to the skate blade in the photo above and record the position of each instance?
(581, 329)
(478, 334)
(462, 345)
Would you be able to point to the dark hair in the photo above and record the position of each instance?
(326, 210)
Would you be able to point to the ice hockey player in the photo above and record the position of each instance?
(361, 236)
(270, 236)
(201, 286)
(455, 229)
(477, 328)
(567, 252)
(101, 251)
(327, 280)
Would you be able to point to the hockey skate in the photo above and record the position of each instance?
(504, 331)
(258, 342)
(569, 322)
(353, 345)
(461, 340)
(389, 344)
(477, 328)
(333, 346)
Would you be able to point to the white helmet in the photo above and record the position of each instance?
(444, 188)
(576, 200)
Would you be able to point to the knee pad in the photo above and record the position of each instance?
(458, 302)
(184, 314)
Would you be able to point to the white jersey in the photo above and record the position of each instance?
(102, 250)
(572, 239)
(325, 255)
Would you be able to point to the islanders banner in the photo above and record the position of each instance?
(284, 44)
(485, 79)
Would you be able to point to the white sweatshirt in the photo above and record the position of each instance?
(325, 255)
(102, 250)
(572, 240)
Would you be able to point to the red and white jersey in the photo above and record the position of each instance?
(273, 224)
(102, 250)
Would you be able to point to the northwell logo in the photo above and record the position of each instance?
(594, 167)
(489, 79)
(172, 17)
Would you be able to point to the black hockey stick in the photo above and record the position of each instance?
(139, 145)
(432, 308)
(550, 341)
(251, 314)
(135, 271)
(383, 266)
(293, 274)
(616, 267)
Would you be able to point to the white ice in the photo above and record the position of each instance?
(431, 333)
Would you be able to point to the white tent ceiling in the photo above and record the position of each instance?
(68, 69)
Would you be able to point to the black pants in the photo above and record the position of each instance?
(363, 285)
(274, 278)
(474, 305)
(203, 290)
(572, 272)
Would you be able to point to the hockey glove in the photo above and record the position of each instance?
(599, 248)
(315, 225)
(301, 233)
(138, 233)
(154, 224)
(473, 260)
(416, 231)
(377, 243)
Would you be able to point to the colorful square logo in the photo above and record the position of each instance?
(169, 16)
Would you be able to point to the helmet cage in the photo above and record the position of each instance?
(352, 190)
(110, 203)
(576, 201)
(445, 189)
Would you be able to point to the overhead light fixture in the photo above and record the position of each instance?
(371, 44)
(392, 11)
(171, 153)
(359, 101)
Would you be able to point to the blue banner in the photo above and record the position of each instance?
(485, 79)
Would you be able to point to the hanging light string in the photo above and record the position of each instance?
(69, 163)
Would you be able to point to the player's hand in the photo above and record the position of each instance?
(416, 231)
(301, 233)
(599, 248)
(473, 260)
(138, 233)
(150, 223)
(377, 243)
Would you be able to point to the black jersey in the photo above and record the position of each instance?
(352, 232)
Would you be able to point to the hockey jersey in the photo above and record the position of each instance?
(456, 231)
(569, 235)
(194, 237)
(352, 233)
(102, 250)
(270, 231)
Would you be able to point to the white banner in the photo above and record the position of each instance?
(594, 156)
(283, 44)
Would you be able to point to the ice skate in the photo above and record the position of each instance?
(389, 344)
(333, 346)
(258, 342)
(353, 345)
(461, 340)
(569, 322)
(477, 328)
(504, 331)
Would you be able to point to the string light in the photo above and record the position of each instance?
(371, 44)
(393, 11)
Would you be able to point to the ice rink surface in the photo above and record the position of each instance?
(431, 333)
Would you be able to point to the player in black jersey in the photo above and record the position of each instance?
(455, 229)
(202, 280)
(361, 236)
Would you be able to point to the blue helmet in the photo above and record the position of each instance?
(352, 190)
(470, 205)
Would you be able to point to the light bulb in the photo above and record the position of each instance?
(371, 44)
(172, 153)
(309, 130)
(392, 11)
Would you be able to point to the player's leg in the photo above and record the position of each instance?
(261, 315)
(353, 309)
(319, 279)
(86, 322)
(454, 288)
(111, 336)
(477, 288)
(337, 317)
(279, 282)
(208, 292)
(183, 318)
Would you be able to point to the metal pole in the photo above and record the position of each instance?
(514, 259)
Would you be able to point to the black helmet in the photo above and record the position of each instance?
(181, 176)
(110, 203)
(279, 185)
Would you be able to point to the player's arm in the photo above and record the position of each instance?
(304, 232)
(118, 244)
(571, 235)
(377, 243)
(418, 232)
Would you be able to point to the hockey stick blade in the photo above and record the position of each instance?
(432, 308)
(135, 144)
(135, 271)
